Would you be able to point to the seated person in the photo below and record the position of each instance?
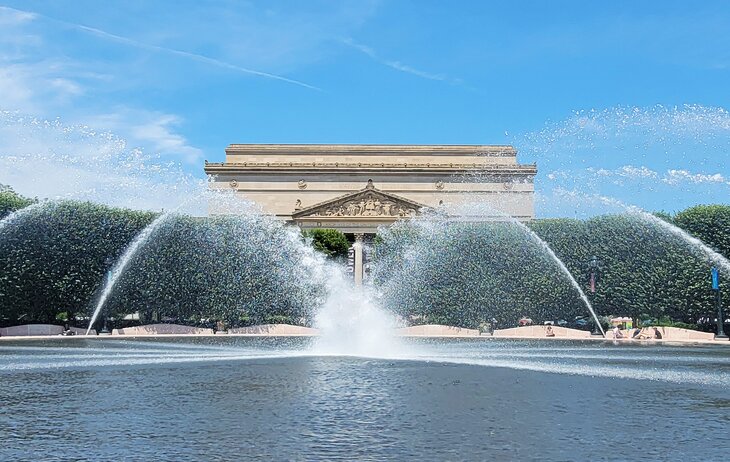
(617, 332)
(549, 332)
(646, 334)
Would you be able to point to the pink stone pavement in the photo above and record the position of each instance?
(32, 330)
(669, 334)
(541, 332)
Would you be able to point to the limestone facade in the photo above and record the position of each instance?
(356, 188)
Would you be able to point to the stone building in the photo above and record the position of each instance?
(356, 188)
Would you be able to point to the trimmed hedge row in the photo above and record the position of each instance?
(242, 270)
(468, 273)
(247, 270)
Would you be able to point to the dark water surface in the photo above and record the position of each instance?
(262, 399)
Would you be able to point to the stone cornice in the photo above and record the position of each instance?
(355, 167)
(372, 149)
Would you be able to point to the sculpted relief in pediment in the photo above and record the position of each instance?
(367, 205)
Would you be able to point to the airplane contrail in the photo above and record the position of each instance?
(156, 48)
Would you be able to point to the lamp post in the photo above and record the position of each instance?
(593, 266)
(718, 301)
(109, 276)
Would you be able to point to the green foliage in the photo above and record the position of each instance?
(709, 223)
(54, 259)
(330, 242)
(246, 271)
(241, 270)
(467, 273)
(644, 269)
(224, 268)
(10, 201)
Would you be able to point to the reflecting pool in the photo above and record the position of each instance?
(242, 398)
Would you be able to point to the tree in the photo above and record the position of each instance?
(465, 273)
(330, 242)
(54, 259)
(709, 223)
(10, 201)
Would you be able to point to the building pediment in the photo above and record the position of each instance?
(369, 202)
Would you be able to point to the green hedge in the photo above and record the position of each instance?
(247, 270)
(242, 270)
(468, 273)
(54, 259)
(235, 269)
(465, 274)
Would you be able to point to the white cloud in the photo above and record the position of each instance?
(33, 83)
(674, 177)
(12, 17)
(153, 130)
(557, 174)
(50, 159)
(629, 171)
(175, 51)
(397, 65)
(189, 55)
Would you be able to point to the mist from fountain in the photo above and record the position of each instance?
(106, 155)
(694, 243)
(539, 241)
(475, 212)
(18, 215)
(351, 323)
(425, 252)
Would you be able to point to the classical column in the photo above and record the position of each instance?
(358, 258)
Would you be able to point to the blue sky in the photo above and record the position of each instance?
(625, 99)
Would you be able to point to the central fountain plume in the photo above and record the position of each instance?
(351, 323)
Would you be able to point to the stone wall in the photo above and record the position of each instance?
(668, 334)
(31, 329)
(40, 329)
(274, 330)
(436, 330)
(162, 329)
(541, 332)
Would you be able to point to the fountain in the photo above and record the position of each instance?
(350, 322)
(695, 243)
(356, 388)
(121, 264)
(456, 252)
(479, 212)
(18, 215)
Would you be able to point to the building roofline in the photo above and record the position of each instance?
(371, 148)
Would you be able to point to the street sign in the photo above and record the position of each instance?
(715, 279)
